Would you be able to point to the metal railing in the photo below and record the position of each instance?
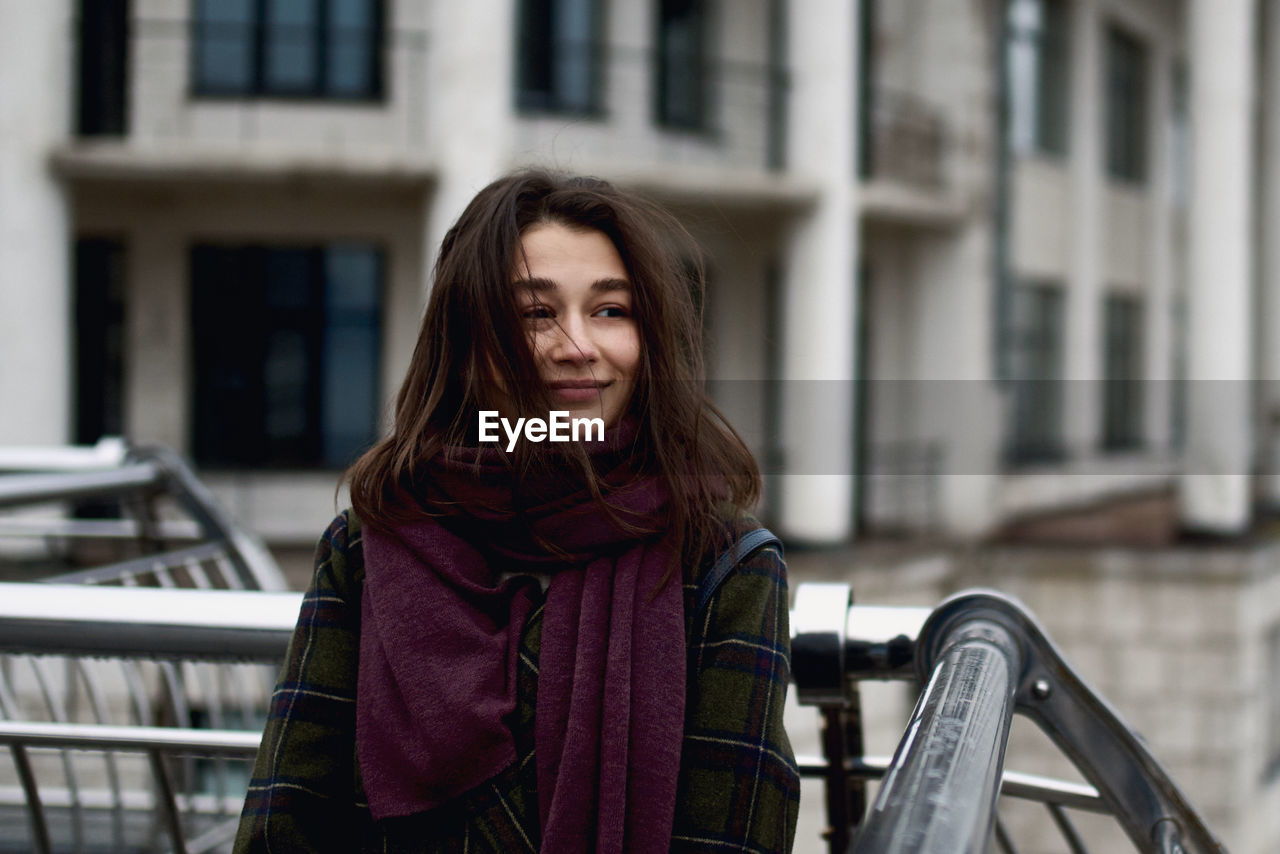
(979, 658)
(120, 671)
(132, 708)
(135, 669)
(115, 514)
(637, 103)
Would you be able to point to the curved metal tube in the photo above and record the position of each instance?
(939, 794)
(1146, 802)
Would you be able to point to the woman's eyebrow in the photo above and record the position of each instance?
(599, 285)
(535, 284)
(606, 285)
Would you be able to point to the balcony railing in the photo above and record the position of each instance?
(609, 102)
(905, 139)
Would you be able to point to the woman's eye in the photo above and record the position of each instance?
(613, 311)
(536, 312)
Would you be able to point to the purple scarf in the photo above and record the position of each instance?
(440, 638)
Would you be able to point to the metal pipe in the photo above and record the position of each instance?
(1015, 784)
(146, 622)
(232, 744)
(20, 489)
(940, 792)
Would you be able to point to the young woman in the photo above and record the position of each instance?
(518, 643)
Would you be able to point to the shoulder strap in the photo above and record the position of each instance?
(745, 546)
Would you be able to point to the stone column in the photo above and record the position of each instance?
(469, 85)
(1269, 255)
(35, 275)
(820, 287)
(1082, 349)
(1215, 496)
(1158, 351)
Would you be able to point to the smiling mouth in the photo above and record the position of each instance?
(577, 391)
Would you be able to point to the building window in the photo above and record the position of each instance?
(558, 56)
(1035, 365)
(288, 48)
(287, 343)
(683, 65)
(1126, 107)
(99, 345)
(1039, 75)
(1122, 380)
(101, 108)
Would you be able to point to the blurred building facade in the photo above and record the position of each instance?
(976, 265)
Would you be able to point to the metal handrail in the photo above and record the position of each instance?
(237, 744)
(177, 627)
(981, 657)
(136, 476)
(23, 489)
(143, 622)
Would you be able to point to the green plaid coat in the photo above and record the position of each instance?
(738, 788)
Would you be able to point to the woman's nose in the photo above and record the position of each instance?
(573, 342)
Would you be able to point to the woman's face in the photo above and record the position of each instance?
(574, 295)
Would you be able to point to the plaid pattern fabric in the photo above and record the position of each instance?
(738, 788)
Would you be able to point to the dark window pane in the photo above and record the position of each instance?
(573, 45)
(682, 63)
(287, 344)
(558, 55)
(352, 336)
(352, 45)
(104, 62)
(228, 337)
(291, 45)
(1126, 108)
(1122, 365)
(1038, 57)
(99, 341)
(288, 48)
(225, 34)
(1053, 82)
(534, 53)
(1035, 364)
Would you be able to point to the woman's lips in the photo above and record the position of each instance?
(576, 391)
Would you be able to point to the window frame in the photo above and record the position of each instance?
(320, 88)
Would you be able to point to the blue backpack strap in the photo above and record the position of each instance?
(746, 545)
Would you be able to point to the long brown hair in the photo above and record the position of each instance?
(473, 340)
